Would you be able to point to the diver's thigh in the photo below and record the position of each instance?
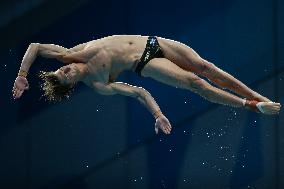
(181, 54)
(165, 71)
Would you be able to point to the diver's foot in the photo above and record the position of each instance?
(268, 108)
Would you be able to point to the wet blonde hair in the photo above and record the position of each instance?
(53, 89)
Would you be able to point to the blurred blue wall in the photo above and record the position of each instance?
(95, 141)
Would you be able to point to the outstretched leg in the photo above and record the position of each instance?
(227, 81)
(188, 59)
(165, 71)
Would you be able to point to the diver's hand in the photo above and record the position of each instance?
(163, 123)
(21, 84)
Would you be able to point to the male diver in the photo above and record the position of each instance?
(98, 63)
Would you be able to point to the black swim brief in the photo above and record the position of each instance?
(152, 50)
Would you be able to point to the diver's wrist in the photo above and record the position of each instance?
(252, 105)
(22, 73)
(157, 114)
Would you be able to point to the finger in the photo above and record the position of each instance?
(168, 129)
(164, 130)
(156, 130)
(278, 107)
(14, 93)
(20, 94)
(14, 88)
(17, 94)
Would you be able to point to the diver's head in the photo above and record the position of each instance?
(68, 74)
(59, 85)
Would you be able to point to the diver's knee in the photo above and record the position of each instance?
(205, 66)
(198, 85)
(202, 66)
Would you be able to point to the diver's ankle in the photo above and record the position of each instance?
(252, 105)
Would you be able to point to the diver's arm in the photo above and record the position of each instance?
(142, 95)
(125, 89)
(48, 51)
(34, 50)
(44, 50)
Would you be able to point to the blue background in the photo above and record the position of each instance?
(95, 141)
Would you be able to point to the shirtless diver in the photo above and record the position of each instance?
(99, 62)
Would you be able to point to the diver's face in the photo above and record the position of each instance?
(67, 74)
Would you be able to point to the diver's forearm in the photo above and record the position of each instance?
(148, 101)
(29, 57)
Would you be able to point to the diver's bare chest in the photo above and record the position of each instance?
(99, 72)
